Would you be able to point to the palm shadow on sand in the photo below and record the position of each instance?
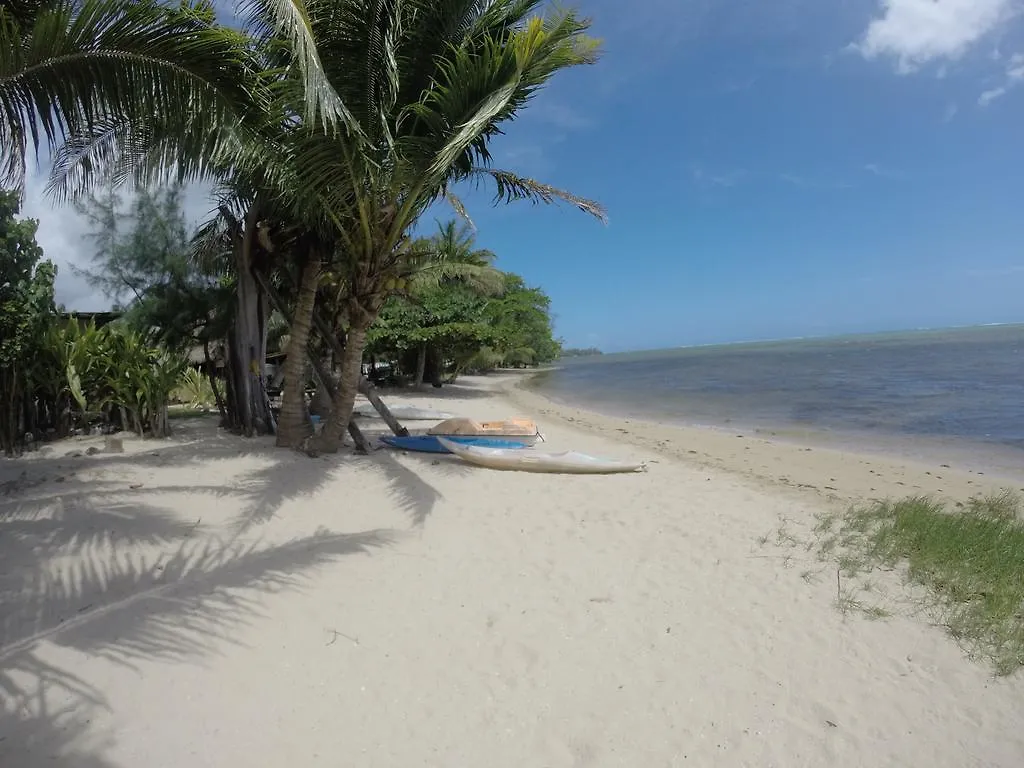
(93, 567)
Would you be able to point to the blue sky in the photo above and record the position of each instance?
(770, 169)
(777, 169)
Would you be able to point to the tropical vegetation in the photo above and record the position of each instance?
(58, 374)
(459, 314)
(327, 129)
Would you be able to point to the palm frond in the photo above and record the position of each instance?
(459, 207)
(510, 187)
(291, 20)
(74, 67)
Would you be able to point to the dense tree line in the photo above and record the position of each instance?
(327, 128)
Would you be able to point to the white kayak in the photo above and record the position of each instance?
(402, 413)
(536, 461)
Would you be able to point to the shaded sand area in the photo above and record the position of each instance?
(210, 601)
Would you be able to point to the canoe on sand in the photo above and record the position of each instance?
(535, 461)
(432, 444)
(519, 430)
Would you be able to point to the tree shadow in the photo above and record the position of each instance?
(284, 475)
(408, 489)
(101, 569)
(455, 391)
(34, 732)
(172, 605)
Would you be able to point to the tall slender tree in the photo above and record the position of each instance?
(439, 82)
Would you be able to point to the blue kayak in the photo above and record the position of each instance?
(430, 443)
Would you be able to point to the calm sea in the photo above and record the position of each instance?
(961, 384)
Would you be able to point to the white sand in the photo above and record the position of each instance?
(250, 607)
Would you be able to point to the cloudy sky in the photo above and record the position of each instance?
(771, 168)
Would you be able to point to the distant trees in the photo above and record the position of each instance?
(453, 328)
(580, 352)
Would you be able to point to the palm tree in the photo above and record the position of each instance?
(439, 80)
(405, 98)
(98, 80)
(450, 256)
(147, 89)
(69, 67)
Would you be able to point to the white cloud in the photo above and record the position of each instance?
(63, 235)
(805, 183)
(877, 170)
(987, 97)
(950, 112)
(722, 179)
(917, 32)
(560, 115)
(1014, 77)
(998, 271)
(1015, 70)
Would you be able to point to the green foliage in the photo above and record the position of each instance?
(580, 352)
(461, 311)
(143, 261)
(194, 390)
(406, 99)
(26, 309)
(118, 76)
(53, 374)
(521, 319)
(465, 331)
(26, 285)
(137, 247)
(109, 374)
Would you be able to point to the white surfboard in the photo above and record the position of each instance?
(569, 462)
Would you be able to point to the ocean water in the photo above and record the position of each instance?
(961, 386)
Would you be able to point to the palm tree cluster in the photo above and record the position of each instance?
(327, 129)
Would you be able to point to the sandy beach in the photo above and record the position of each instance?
(214, 601)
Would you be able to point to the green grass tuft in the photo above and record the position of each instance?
(971, 561)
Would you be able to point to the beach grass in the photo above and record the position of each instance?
(969, 559)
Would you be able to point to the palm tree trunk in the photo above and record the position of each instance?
(323, 381)
(367, 390)
(294, 425)
(329, 439)
(250, 339)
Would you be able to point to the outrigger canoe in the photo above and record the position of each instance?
(535, 461)
(433, 444)
(517, 430)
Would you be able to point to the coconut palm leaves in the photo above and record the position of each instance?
(428, 108)
(450, 256)
(71, 67)
(342, 119)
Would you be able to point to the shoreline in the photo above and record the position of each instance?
(839, 473)
(405, 609)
